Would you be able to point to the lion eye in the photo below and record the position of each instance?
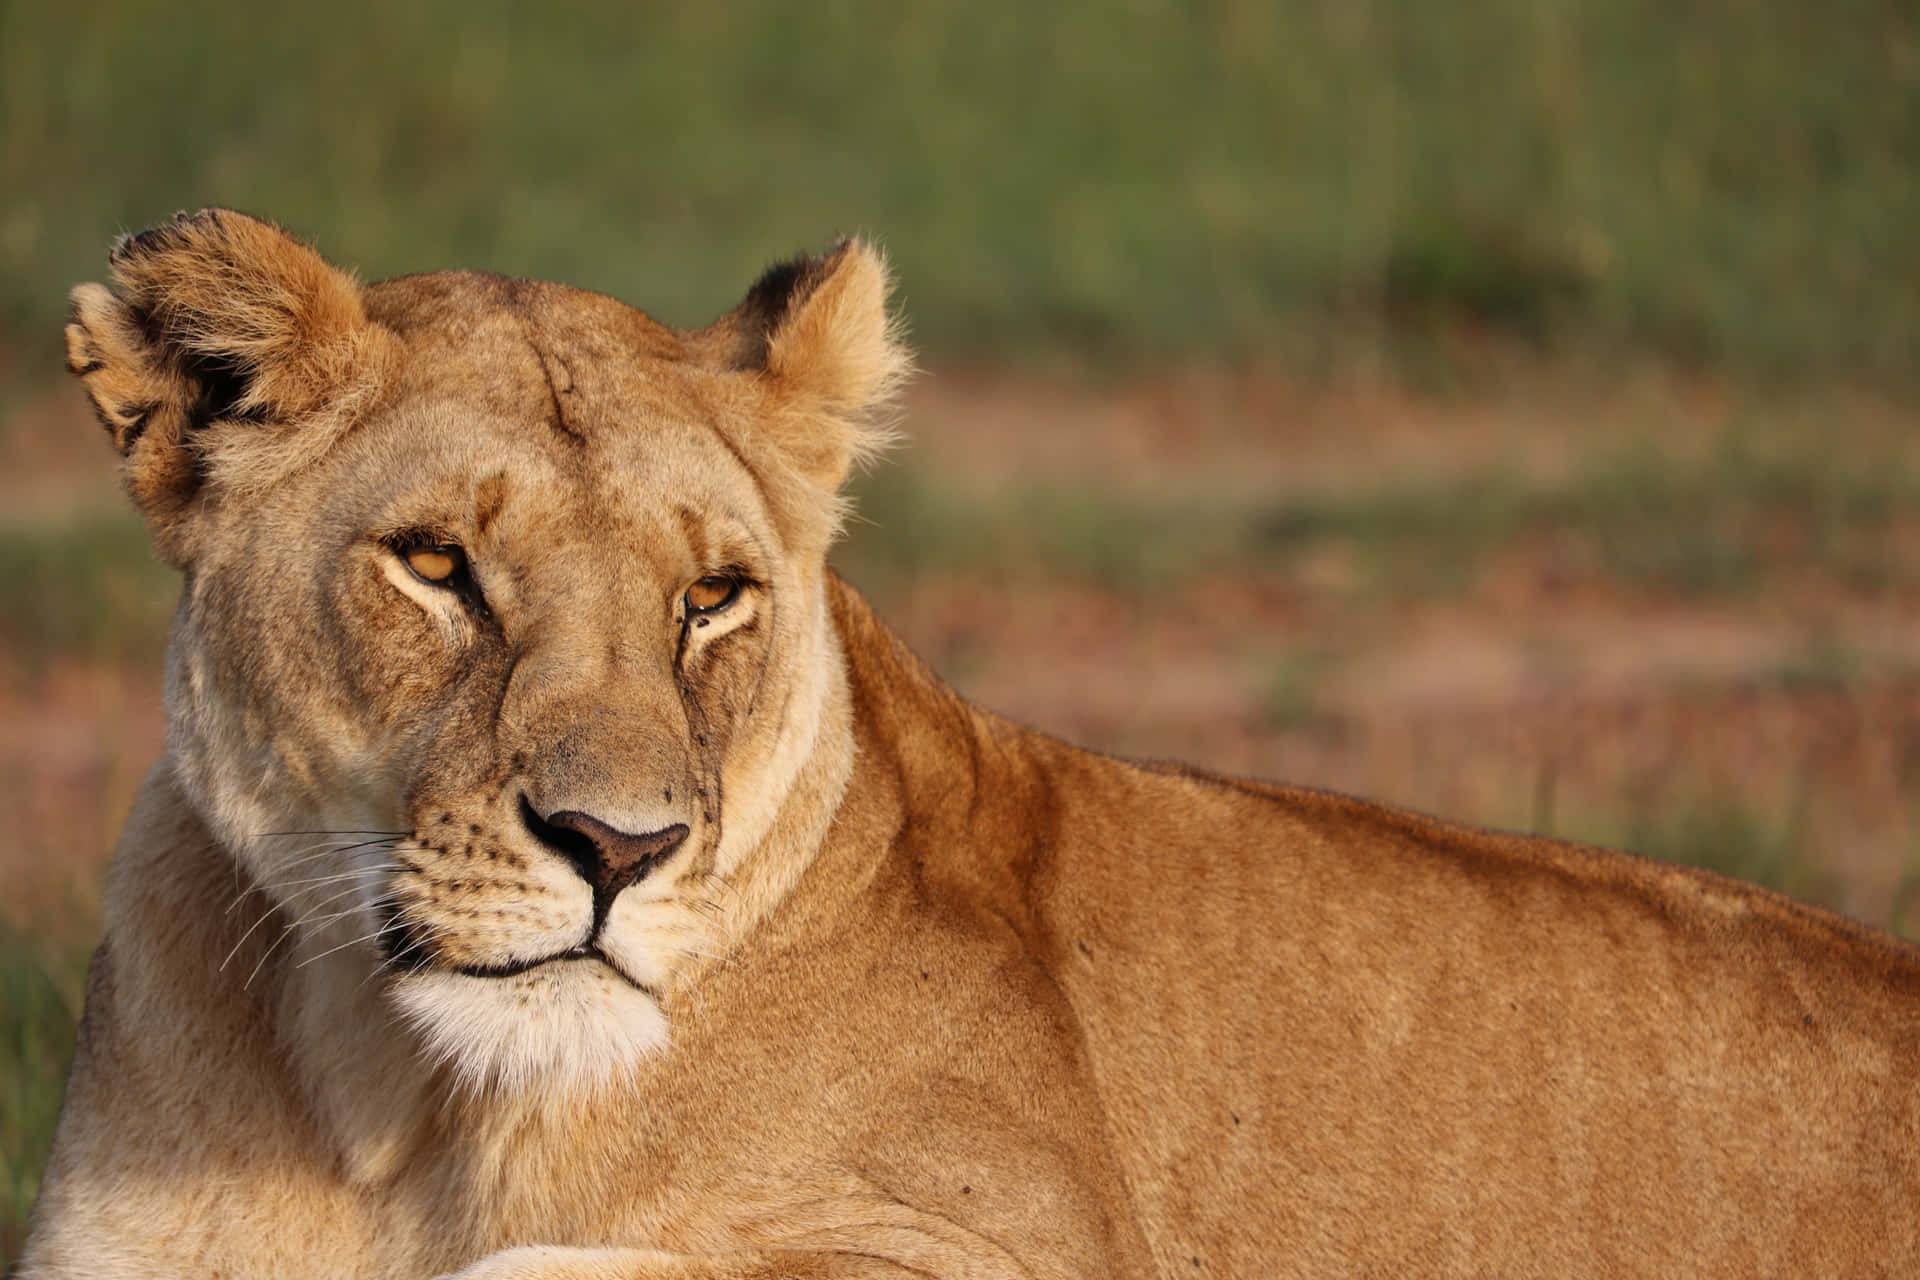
(438, 565)
(711, 594)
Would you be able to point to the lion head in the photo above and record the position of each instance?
(502, 662)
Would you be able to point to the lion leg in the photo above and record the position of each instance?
(542, 1262)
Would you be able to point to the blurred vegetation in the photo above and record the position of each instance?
(1313, 188)
(90, 589)
(1730, 522)
(1305, 183)
(1734, 838)
(39, 1005)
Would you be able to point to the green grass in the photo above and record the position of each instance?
(39, 1002)
(1637, 516)
(1730, 836)
(1634, 516)
(1283, 181)
(1631, 517)
(90, 590)
(908, 523)
(1291, 699)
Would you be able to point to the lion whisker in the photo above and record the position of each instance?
(351, 942)
(304, 857)
(330, 917)
(241, 941)
(305, 917)
(355, 874)
(271, 948)
(325, 848)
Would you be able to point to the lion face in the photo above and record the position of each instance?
(503, 638)
(527, 652)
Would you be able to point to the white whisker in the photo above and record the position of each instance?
(356, 874)
(351, 942)
(305, 917)
(264, 916)
(379, 869)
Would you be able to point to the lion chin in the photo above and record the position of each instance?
(573, 1024)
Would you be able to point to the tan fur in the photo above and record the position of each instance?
(920, 992)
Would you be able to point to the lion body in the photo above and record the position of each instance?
(921, 991)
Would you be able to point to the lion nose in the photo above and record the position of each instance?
(606, 857)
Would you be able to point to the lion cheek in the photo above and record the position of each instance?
(255, 770)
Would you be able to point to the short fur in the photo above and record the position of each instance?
(920, 992)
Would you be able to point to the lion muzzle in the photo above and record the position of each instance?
(606, 857)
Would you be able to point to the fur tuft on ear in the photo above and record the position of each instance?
(228, 350)
(818, 332)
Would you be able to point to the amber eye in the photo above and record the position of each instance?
(439, 565)
(709, 595)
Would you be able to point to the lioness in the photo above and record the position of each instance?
(555, 871)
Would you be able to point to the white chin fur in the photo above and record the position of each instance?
(568, 1026)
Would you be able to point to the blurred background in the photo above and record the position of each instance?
(1503, 409)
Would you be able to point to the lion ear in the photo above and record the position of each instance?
(223, 355)
(818, 330)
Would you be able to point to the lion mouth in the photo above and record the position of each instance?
(515, 968)
(406, 950)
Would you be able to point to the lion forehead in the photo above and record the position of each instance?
(587, 366)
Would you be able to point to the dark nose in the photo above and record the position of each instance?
(606, 857)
